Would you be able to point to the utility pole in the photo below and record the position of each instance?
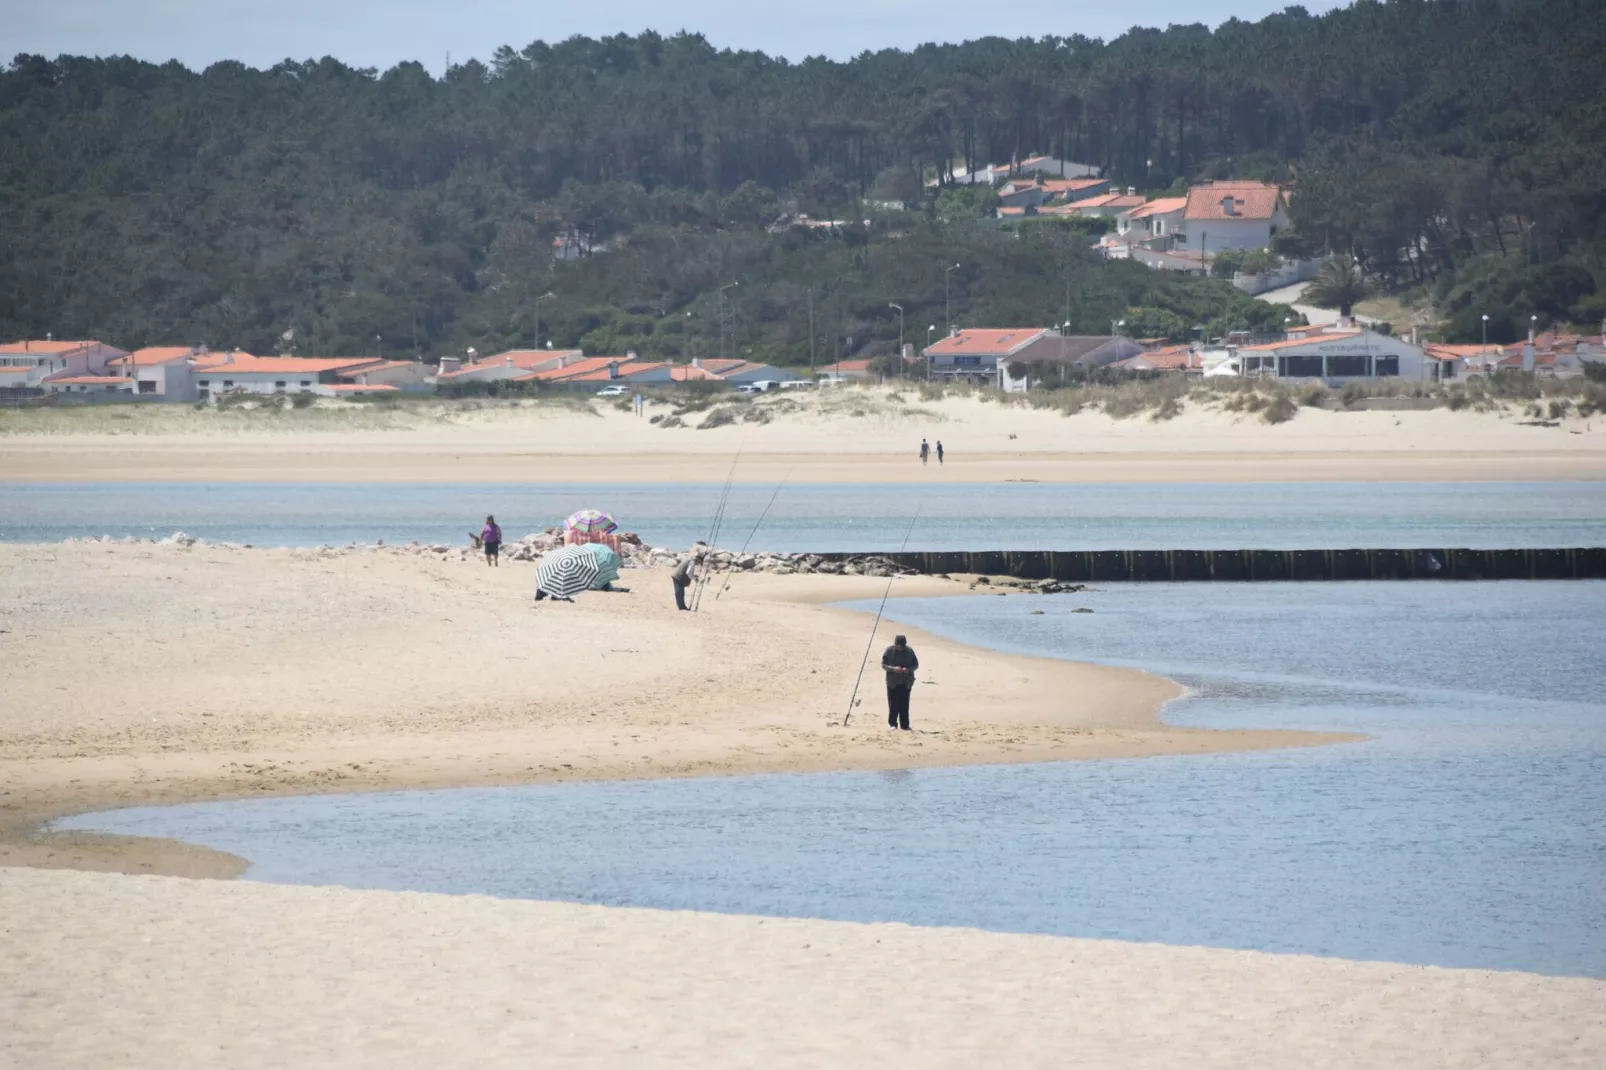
(947, 306)
(902, 368)
(535, 340)
(723, 310)
(811, 332)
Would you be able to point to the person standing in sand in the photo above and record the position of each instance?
(683, 576)
(491, 539)
(925, 451)
(900, 664)
(939, 451)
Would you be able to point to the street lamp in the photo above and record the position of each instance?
(947, 307)
(535, 341)
(929, 331)
(1115, 327)
(1486, 330)
(722, 290)
(901, 362)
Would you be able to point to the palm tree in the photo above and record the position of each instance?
(1340, 284)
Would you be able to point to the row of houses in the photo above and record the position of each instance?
(185, 373)
(1212, 217)
(1012, 359)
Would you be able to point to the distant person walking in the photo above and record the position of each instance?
(683, 576)
(925, 451)
(939, 451)
(900, 664)
(491, 540)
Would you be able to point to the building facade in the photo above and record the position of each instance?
(1232, 215)
(29, 363)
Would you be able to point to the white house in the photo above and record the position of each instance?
(1232, 215)
(1159, 218)
(30, 363)
(1312, 353)
(242, 373)
(90, 384)
(166, 372)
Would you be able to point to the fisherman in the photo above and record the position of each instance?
(683, 578)
(925, 450)
(900, 664)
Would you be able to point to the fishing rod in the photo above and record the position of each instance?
(854, 698)
(713, 532)
(731, 571)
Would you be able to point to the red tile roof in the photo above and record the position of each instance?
(988, 342)
(601, 375)
(32, 346)
(1250, 200)
(1109, 200)
(577, 368)
(1160, 206)
(152, 355)
(519, 358)
(246, 364)
(88, 380)
(361, 388)
(381, 366)
(845, 367)
(1288, 343)
(1011, 210)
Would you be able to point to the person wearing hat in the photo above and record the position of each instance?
(900, 664)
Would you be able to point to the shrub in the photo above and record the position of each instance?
(1314, 396)
(1279, 409)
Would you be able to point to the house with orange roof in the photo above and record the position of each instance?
(974, 355)
(221, 374)
(1173, 358)
(29, 363)
(512, 364)
(846, 371)
(1232, 215)
(89, 384)
(1106, 205)
(401, 374)
(164, 372)
(1159, 218)
(605, 371)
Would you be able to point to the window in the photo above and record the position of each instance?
(967, 362)
(305, 383)
(1347, 366)
(1387, 366)
(204, 383)
(279, 384)
(1302, 367)
(147, 386)
(227, 383)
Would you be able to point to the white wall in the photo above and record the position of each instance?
(223, 381)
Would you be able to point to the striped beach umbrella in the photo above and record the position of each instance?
(607, 564)
(591, 522)
(565, 573)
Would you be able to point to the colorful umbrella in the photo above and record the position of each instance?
(592, 522)
(607, 564)
(565, 573)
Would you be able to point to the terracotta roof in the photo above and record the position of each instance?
(520, 358)
(31, 346)
(1250, 200)
(1011, 210)
(723, 365)
(600, 375)
(151, 355)
(361, 388)
(245, 364)
(578, 368)
(1109, 200)
(988, 342)
(1167, 359)
(1071, 185)
(376, 367)
(1440, 351)
(685, 373)
(843, 367)
(87, 380)
(1160, 206)
(1288, 343)
(16, 371)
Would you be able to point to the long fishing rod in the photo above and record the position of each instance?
(854, 698)
(713, 531)
(731, 570)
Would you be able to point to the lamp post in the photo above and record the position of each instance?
(929, 331)
(1486, 330)
(722, 290)
(1115, 327)
(535, 340)
(901, 367)
(379, 346)
(947, 305)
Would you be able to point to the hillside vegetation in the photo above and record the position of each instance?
(1454, 146)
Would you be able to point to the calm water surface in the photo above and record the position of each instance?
(829, 518)
(1470, 831)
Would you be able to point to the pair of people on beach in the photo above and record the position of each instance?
(925, 451)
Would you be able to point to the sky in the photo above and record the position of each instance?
(381, 33)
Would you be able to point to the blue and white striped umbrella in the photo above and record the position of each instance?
(566, 572)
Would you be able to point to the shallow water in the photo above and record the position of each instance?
(825, 518)
(1471, 831)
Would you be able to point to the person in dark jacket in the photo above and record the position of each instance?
(683, 577)
(900, 664)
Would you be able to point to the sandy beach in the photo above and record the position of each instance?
(843, 436)
(152, 673)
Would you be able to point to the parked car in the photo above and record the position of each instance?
(796, 384)
(611, 392)
(750, 388)
(764, 386)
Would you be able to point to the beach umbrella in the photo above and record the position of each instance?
(607, 564)
(565, 573)
(591, 522)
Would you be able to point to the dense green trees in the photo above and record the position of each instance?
(1451, 145)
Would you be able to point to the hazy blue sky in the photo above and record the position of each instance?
(379, 33)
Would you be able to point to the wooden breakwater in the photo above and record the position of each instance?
(1245, 566)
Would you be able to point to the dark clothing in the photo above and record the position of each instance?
(682, 580)
(898, 706)
(492, 549)
(939, 453)
(899, 684)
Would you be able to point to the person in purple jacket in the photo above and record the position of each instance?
(491, 540)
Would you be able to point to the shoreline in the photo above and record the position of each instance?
(1117, 712)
